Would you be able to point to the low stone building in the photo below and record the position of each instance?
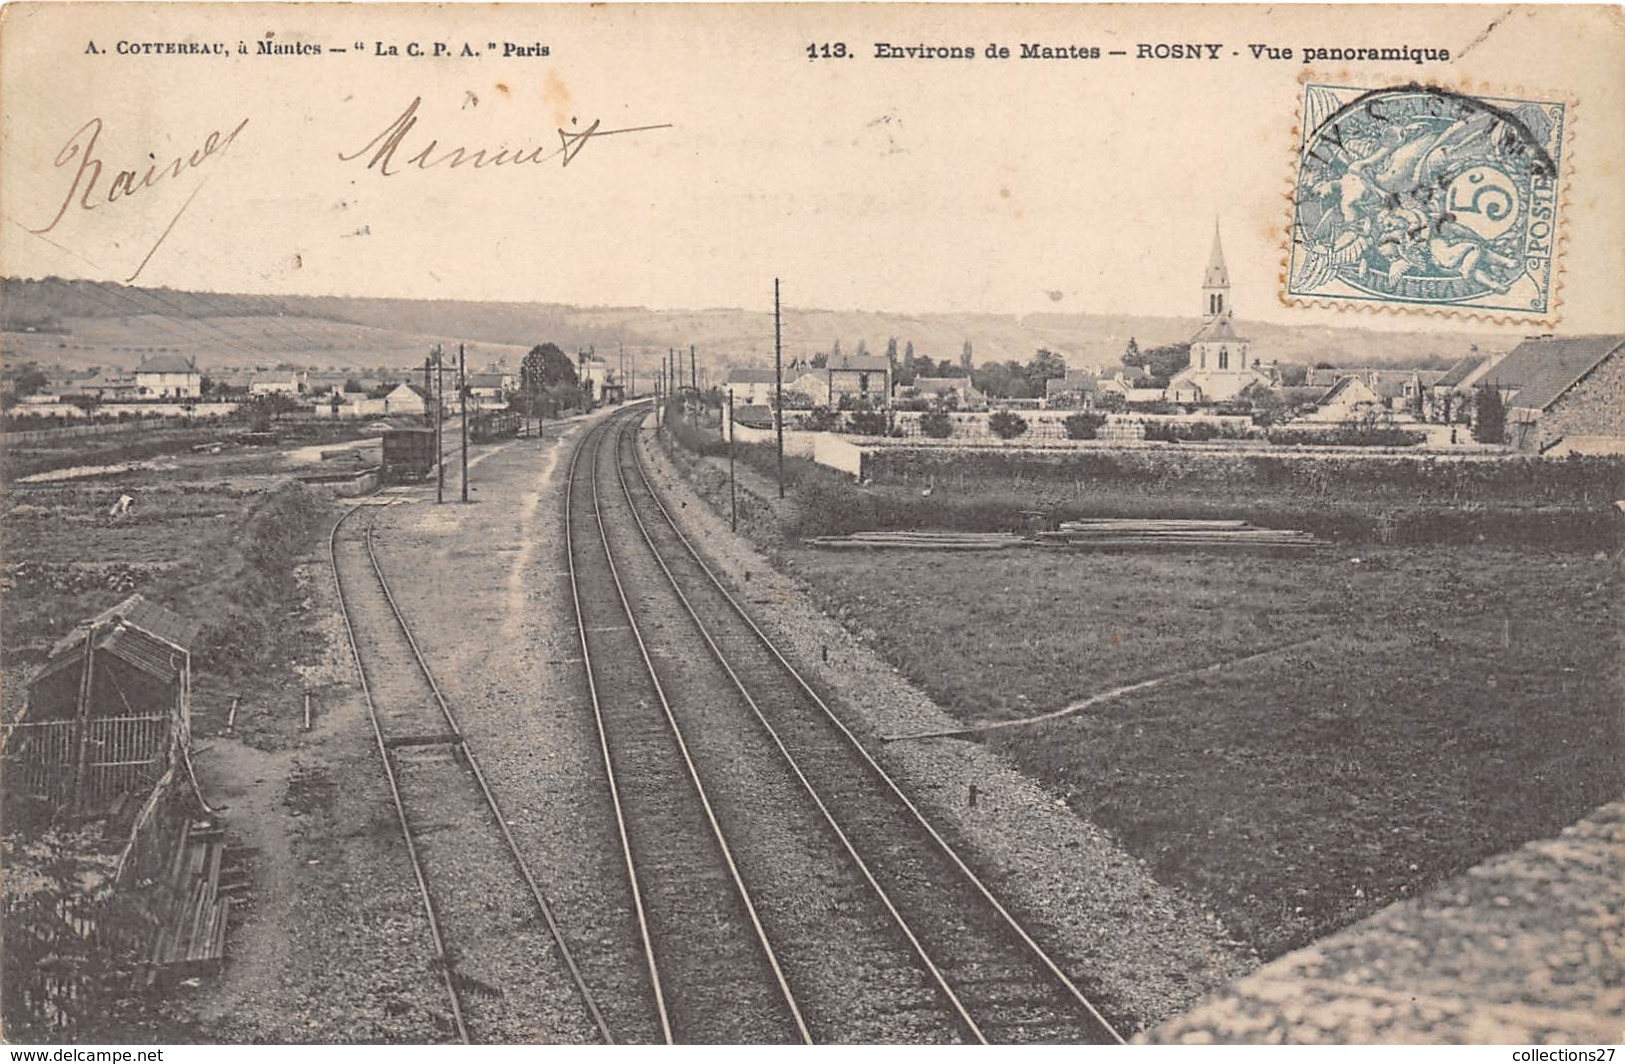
(1570, 392)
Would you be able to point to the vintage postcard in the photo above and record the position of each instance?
(867, 524)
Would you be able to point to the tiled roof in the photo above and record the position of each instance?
(866, 363)
(1540, 371)
(166, 363)
(1218, 329)
(1460, 371)
(751, 375)
(938, 385)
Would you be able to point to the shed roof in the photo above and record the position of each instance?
(1541, 370)
(144, 634)
(751, 375)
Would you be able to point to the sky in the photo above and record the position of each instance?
(1011, 187)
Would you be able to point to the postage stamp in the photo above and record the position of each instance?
(1421, 198)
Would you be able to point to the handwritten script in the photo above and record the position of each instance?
(384, 146)
(86, 191)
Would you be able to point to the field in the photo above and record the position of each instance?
(211, 535)
(1428, 704)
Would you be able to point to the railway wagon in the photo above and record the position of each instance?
(488, 425)
(408, 454)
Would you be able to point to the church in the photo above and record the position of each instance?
(1220, 369)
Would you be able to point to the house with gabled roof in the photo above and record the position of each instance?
(1450, 397)
(168, 376)
(753, 385)
(1567, 391)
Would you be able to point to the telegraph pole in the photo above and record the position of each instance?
(439, 422)
(733, 497)
(778, 381)
(462, 401)
(693, 374)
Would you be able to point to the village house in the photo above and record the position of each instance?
(407, 400)
(283, 382)
(1351, 398)
(859, 378)
(751, 385)
(1075, 391)
(1450, 398)
(957, 392)
(593, 374)
(168, 376)
(1563, 394)
(490, 389)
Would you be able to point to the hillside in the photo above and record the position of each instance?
(78, 324)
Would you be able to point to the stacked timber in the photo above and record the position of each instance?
(191, 935)
(1143, 533)
(921, 541)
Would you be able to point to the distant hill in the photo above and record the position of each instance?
(79, 324)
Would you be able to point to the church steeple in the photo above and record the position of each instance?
(1216, 281)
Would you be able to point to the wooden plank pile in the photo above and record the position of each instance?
(1145, 533)
(200, 886)
(921, 541)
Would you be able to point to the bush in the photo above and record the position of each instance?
(1344, 436)
(1179, 431)
(820, 419)
(1006, 425)
(1083, 425)
(869, 422)
(937, 424)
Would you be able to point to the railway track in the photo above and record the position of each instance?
(711, 968)
(987, 975)
(481, 901)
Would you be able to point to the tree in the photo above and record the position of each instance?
(1293, 374)
(863, 348)
(1131, 354)
(1161, 363)
(205, 385)
(965, 358)
(353, 385)
(909, 370)
(1045, 365)
(1006, 425)
(821, 359)
(1491, 423)
(29, 379)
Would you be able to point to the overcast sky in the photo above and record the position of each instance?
(915, 186)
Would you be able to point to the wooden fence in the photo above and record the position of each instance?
(124, 755)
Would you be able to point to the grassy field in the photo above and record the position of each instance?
(212, 536)
(1435, 697)
(1451, 704)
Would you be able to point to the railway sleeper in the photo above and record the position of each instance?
(433, 739)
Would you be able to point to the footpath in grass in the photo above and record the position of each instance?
(1454, 702)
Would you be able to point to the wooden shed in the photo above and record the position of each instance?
(108, 711)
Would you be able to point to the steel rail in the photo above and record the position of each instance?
(682, 746)
(795, 767)
(946, 848)
(603, 746)
(441, 958)
(491, 802)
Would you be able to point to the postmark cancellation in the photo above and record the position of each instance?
(1419, 198)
